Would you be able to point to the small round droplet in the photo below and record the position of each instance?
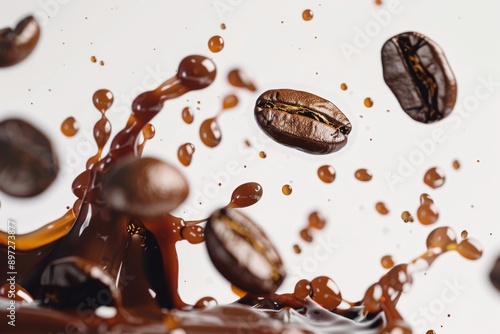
(434, 177)
(307, 15)
(223, 26)
(464, 234)
(407, 217)
(216, 44)
(101, 62)
(427, 214)
(368, 102)
(69, 127)
(286, 190)
(430, 331)
(343, 86)
(363, 175)
(262, 154)
(387, 262)
(93, 59)
(456, 164)
(326, 173)
(381, 208)
(187, 115)
(148, 131)
(297, 249)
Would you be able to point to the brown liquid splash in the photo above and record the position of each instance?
(381, 208)
(286, 190)
(368, 102)
(210, 133)
(103, 99)
(343, 86)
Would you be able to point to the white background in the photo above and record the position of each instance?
(137, 38)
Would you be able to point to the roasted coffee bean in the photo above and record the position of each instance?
(17, 44)
(416, 70)
(28, 164)
(495, 274)
(242, 252)
(145, 187)
(70, 281)
(302, 120)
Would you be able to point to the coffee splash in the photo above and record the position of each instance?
(129, 255)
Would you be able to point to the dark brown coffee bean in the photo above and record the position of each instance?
(28, 164)
(495, 274)
(416, 70)
(242, 252)
(17, 44)
(145, 187)
(302, 120)
(70, 281)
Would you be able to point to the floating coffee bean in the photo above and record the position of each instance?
(302, 120)
(242, 253)
(416, 70)
(495, 274)
(70, 281)
(28, 164)
(145, 187)
(17, 44)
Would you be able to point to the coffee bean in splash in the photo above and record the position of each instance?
(302, 120)
(417, 71)
(242, 253)
(28, 164)
(144, 187)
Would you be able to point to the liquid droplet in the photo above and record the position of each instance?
(407, 217)
(103, 99)
(368, 102)
(69, 127)
(381, 208)
(343, 86)
(216, 43)
(326, 173)
(286, 190)
(363, 175)
(387, 262)
(434, 177)
(230, 101)
(238, 78)
(307, 15)
(246, 194)
(210, 133)
(185, 153)
(187, 115)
